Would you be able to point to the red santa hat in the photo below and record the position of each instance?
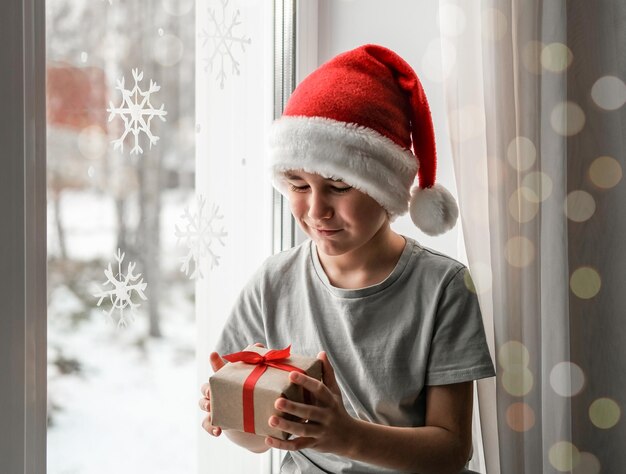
(363, 117)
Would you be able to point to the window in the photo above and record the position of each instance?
(95, 207)
(120, 149)
(158, 212)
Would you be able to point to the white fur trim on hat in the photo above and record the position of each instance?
(433, 209)
(360, 156)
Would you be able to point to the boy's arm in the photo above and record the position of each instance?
(442, 446)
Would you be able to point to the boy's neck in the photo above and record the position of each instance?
(367, 265)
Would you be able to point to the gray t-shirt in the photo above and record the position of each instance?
(420, 326)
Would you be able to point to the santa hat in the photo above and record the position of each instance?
(356, 118)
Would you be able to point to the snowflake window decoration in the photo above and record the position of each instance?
(199, 233)
(221, 34)
(136, 111)
(121, 293)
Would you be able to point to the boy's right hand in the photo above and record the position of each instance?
(205, 402)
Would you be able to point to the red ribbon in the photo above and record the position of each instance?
(262, 362)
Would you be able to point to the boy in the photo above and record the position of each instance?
(398, 331)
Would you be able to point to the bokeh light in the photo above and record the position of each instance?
(567, 118)
(564, 456)
(567, 379)
(588, 464)
(494, 24)
(517, 380)
(168, 50)
(579, 206)
(529, 194)
(519, 251)
(520, 417)
(609, 92)
(513, 353)
(452, 20)
(469, 283)
(480, 279)
(521, 208)
(556, 57)
(92, 142)
(439, 59)
(585, 282)
(539, 184)
(521, 153)
(605, 172)
(604, 413)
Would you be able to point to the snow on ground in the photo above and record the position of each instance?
(133, 406)
(133, 411)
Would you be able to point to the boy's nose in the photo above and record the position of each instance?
(319, 208)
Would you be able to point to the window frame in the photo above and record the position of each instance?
(23, 345)
(296, 28)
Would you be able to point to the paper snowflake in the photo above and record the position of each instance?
(221, 34)
(136, 111)
(121, 293)
(199, 233)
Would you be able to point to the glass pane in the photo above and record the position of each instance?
(122, 388)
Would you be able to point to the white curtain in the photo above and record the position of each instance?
(535, 93)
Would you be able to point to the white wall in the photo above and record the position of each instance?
(231, 131)
(410, 28)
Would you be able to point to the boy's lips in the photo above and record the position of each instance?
(326, 231)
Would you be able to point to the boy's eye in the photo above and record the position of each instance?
(341, 190)
(298, 189)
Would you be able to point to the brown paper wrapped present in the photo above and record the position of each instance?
(242, 398)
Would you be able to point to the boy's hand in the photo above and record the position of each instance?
(205, 402)
(327, 424)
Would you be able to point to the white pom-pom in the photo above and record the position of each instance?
(433, 210)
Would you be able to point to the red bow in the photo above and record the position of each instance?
(262, 362)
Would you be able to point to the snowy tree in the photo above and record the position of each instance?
(115, 38)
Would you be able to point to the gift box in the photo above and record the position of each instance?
(244, 391)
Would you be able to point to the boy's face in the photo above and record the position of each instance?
(337, 217)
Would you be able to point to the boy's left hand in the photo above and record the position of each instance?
(328, 425)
